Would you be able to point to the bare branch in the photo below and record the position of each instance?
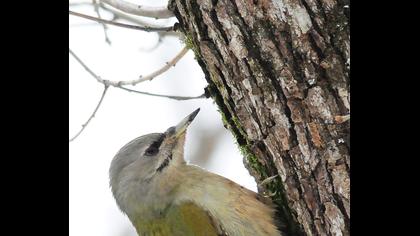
(117, 14)
(97, 77)
(179, 98)
(104, 26)
(161, 70)
(93, 114)
(76, 4)
(170, 34)
(136, 20)
(142, 78)
(143, 28)
(83, 24)
(107, 83)
(131, 8)
(120, 14)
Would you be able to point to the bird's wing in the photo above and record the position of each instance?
(188, 219)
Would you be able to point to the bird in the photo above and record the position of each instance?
(162, 195)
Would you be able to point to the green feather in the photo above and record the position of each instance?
(186, 219)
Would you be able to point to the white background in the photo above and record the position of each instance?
(124, 116)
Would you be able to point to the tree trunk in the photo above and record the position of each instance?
(279, 73)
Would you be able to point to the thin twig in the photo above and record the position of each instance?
(136, 27)
(97, 77)
(161, 70)
(141, 78)
(131, 8)
(104, 26)
(93, 114)
(179, 98)
(107, 82)
(131, 18)
(77, 4)
(83, 24)
(135, 19)
(117, 14)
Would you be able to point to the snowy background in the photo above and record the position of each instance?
(124, 116)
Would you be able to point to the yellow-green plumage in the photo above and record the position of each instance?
(185, 219)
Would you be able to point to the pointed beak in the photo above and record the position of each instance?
(181, 127)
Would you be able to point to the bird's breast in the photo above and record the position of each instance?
(186, 219)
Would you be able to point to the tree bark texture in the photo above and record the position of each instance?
(279, 73)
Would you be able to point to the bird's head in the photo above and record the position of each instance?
(142, 164)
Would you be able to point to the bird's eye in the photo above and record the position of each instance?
(151, 151)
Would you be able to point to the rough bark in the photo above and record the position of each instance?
(279, 72)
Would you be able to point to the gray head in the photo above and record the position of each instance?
(139, 166)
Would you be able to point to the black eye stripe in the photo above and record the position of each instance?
(154, 147)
